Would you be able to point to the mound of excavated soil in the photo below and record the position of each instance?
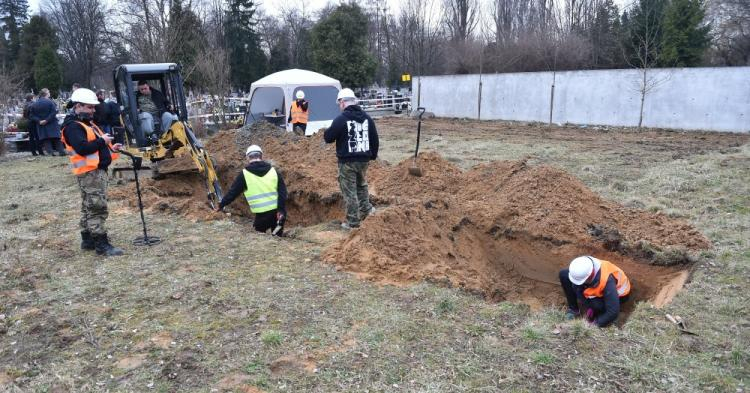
(502, 229)
(506, 229)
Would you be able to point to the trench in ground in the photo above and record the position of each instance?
(498, 264)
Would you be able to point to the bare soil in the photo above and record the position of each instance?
(500, 208)
(501, 229)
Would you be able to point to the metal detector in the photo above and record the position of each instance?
(144, 240)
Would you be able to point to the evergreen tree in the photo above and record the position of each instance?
(35, 34)
(643, 32)
(685, 37)
(339, 47)
(47, 70)
(13, 15)
(3, 53)
(186, 32)
(279, 57)
(304, 49)
(605, 35)
(247, 61)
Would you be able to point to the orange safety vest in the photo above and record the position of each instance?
(82, 164)
(298, 115)
(607, 269)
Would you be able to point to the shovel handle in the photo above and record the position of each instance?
(419, 131)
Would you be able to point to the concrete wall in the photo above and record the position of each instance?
(716, 99)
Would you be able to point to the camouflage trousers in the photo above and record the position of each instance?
(93, 186)
(353, 183)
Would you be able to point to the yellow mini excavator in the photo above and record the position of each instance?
(148, 139)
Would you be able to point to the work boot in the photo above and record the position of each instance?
(368, 213)
(87, 242)
(348, 227)
(571, 314)
(104, 248)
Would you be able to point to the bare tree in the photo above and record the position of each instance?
(297, 21)
(213, 67)
(11, 85)
(269, 30)
(461, 18)
(418, 40)
(81, 27)
(645, 40)
(144, 27)
(150, 29)
(731, 29)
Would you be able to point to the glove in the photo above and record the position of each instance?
(589, 315)
(280, 216)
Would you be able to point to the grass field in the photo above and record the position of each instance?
(216, 307)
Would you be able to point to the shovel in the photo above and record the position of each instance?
(677, 320)
(414, 169)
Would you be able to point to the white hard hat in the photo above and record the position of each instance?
(84, 96)
(580, 269)
(253, 149)
(300, 94)
(346, 94)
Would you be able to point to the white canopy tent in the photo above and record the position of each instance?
(272, 96)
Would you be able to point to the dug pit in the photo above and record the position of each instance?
(503, 229)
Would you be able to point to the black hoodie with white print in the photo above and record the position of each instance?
(355, 135)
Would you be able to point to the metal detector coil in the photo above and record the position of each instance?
(144, 240)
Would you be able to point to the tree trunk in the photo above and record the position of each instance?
(643, 97)
(552, 98)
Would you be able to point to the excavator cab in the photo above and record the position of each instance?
(161, 144)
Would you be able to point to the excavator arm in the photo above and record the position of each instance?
(178, 142)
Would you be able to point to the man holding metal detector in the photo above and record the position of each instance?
(91, 151)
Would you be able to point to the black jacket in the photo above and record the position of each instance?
(611, 299)
(355, 135)
(75, 137)
(159, 100)
(107, 113)
(26, 108)
(258, 168)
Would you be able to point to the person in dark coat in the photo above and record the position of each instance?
(35, 144)
(107, 114)
(69, 104)
(44, 113)
(357, 144)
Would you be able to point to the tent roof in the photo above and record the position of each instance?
(296, 77)
(149, 68)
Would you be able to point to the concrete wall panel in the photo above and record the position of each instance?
(715, 99)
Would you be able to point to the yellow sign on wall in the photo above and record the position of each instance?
(405, 78)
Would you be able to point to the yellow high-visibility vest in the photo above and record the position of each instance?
(261, 193)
